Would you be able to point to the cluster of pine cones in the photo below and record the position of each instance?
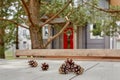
(34, 63)
(70, 66)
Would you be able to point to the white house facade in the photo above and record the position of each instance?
(24, 38)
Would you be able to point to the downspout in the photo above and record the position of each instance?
(86, 36)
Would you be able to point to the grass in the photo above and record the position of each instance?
(9, 54)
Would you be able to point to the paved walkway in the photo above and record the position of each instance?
(95, 70)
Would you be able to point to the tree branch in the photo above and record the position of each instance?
(69, 1)
(14, 22)
(28, 12)
(104, 10)
(59, 33)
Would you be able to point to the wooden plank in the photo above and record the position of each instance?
(70, 53)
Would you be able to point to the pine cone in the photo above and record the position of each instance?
(33, 63)
(44, 66)
(78, 69)
(63, 69)
(70, 64)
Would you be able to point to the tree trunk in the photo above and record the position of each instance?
(2, 33)
(17, 40)
(36, 37)
(2, 53)
(35, 30)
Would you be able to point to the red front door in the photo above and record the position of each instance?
(68, 38)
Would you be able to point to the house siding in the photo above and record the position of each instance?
(98, 43)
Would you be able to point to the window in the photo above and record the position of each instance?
(104, 4)
(45, 32)
(24, 44)
(93, 33)
(24, 32)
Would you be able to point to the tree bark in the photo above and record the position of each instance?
(35, 31)
(2, 53)
(36, 37)
(2, 33)
(17, 40)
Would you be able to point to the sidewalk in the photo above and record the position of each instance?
(19, 70)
